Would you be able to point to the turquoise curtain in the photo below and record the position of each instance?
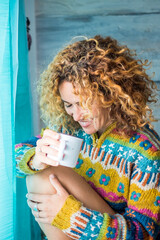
(26, 227)
(7, 100)
(16, 221)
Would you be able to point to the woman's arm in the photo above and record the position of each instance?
(23, 153)
(140, 219)
(37, 150)
(74, 184)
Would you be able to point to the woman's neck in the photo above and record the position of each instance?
(102, 130)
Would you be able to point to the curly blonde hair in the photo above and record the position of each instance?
(101, 70)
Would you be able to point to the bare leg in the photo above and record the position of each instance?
(39, 183)
(74, 184)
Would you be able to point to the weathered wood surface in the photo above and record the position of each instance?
(96, 7)
(133, 23)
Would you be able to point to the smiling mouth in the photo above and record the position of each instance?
(85, 124)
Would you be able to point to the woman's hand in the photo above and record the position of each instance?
(47, 205)
(47, 145)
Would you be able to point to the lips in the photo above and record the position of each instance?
(85, 124)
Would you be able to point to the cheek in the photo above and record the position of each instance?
(68, 111)
(99, 118)
(95, 112)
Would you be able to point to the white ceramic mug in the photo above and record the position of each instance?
(69, 150)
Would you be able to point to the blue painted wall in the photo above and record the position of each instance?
(134, 23)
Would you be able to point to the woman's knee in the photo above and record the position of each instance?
(39, 182)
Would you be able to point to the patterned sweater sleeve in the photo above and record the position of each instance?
(141, 219)
(23, 153)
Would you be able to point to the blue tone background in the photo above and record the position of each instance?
(135, 23)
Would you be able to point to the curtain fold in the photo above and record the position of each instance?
(7, 114)
(26, 227)
(16, 221)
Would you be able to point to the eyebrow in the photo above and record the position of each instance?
(65, 101)
(68, 102)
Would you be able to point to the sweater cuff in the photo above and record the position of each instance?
(63, 219)
(23, 164)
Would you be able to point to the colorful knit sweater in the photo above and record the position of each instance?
(125, 171)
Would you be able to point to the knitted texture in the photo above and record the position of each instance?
(23, 153)
(125, 171)
(72, 206)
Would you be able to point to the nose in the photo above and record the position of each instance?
(77, 113)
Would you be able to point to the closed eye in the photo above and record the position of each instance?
(68, 105)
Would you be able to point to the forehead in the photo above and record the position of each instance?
(66, 91)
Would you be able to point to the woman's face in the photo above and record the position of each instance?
(98, 121)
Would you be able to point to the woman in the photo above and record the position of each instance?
(97, 90)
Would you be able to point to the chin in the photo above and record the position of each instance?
(90, 131)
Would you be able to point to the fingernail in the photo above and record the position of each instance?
(52, 176)
(58, 136)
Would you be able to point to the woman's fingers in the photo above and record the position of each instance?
(51, 133)
(41, 161)
(47, 151)
(48, 155)
(48, 141)
(48, 161)
(35, 198)
(44, 220)
(38, 206)
(41, 208)
(40, 215)
(46, 207)
(57, 185)
(39, 203)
